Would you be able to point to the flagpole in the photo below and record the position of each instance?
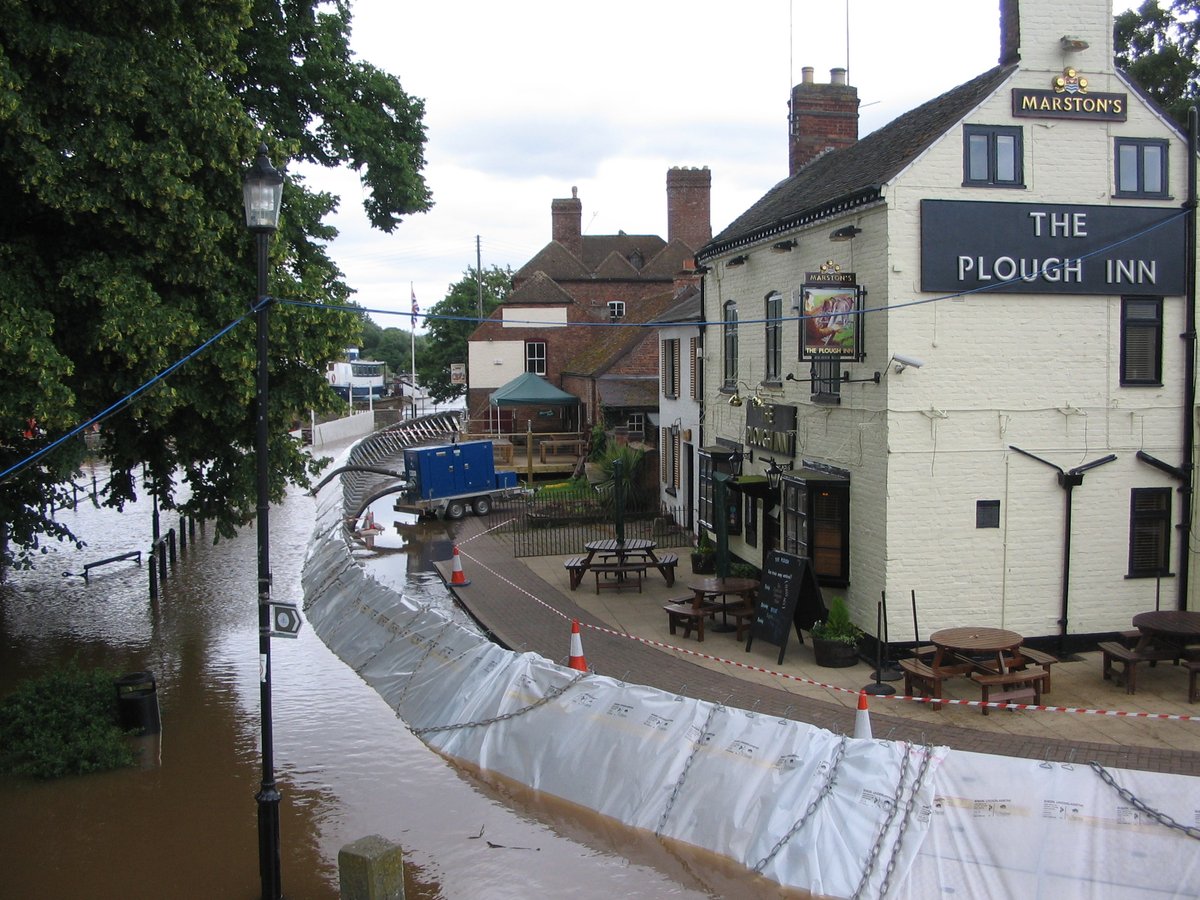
(413, 349)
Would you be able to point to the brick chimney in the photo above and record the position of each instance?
(689, 216)
(1010, 32)
(566, 219)
(823, 117)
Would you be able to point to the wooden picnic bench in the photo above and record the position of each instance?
(1129, 659)
(576, 566)
(920, 676)
(575, 444)
(686, 612)
(1037, 657)
(666, 564)
(626, 575)
(1193, 667)
(1024, 684)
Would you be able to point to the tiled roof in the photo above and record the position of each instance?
(845, 178)
(556, 261)
(628, 390)
(669, 261)
(539, 289)
(685, 309)
(610, 343)
(562, 265)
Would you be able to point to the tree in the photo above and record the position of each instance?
(1158, 48)
(125, 130)
(393, 346)
(450, 323)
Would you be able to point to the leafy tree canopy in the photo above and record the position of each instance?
(459, 312)
(392, 345)
(1158, 48)
(125, 130)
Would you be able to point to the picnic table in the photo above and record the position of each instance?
(630, 557)
(990, 657)
(1162, 635)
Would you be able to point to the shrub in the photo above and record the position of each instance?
(64, 723)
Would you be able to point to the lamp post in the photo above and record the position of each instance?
(262, 191)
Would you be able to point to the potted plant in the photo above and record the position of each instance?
(835, 640)
(704, 556)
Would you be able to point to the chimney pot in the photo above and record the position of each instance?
(837, 76)
(806, 75)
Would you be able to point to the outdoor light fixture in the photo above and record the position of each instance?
(738, 260)
(775, 473)
(785, 246)
(675, 428)
(262, 193)
(845, 233)
(755, 400)
(1072, 44)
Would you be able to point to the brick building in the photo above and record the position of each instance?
(969, 339)
(578, 309)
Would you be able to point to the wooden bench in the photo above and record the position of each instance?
(919, 675)
(666, 564)
(1037, 657)
(624, 573)
(1193, 667)
(1025, 684)
(576, 566)
(685, 612)
(1129, 659)
(743, 618)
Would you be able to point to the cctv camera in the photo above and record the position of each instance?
(903, 362)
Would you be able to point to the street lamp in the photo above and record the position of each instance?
(262, 190)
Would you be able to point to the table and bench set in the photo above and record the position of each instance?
(620, 564)
(1159, 636)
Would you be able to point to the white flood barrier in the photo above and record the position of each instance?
(802, 806)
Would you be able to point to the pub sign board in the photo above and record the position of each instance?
(788, 596)
(1051, 248)
(830, 310)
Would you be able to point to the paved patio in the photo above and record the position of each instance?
(527, 604)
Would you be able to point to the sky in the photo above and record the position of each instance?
(525, 100)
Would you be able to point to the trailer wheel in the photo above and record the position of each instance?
(482, 505)
(455, 509)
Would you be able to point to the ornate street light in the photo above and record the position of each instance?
(262, 190)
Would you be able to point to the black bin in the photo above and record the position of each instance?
(137, 703)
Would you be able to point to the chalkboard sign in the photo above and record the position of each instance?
(789, 596)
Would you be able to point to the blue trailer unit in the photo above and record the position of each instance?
(449, 479)
(451, 469)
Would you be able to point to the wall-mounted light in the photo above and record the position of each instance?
(1072, 44)
(785, 246)
(845, 233)
(675, 428)
(775, 472)
(738, 260)
(755, 400)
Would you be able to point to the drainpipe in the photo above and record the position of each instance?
(1189, 374)
(1068, 480)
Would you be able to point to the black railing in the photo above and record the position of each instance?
(560, 522)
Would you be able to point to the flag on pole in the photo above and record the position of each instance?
(415, 309)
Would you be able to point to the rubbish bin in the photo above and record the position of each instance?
(137, 703)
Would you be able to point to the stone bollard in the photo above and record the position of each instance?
(371, 868)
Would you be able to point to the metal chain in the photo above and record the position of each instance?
(1161, 817)
(908, 808)
(662, 821)
(826, 788)
(873, 855)
(552, 694)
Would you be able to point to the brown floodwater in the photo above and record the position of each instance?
(184, 823)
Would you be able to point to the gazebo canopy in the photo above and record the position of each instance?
(528, 389)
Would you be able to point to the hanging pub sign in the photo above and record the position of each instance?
(830, 306)
(458, 373)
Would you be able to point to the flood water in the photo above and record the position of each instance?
(184, 824)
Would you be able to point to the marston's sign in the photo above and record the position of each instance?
(1049, 248)
(829, 303)
(1069, 99)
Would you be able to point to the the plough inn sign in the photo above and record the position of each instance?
(1048, 248)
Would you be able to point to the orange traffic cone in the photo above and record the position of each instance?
(456, 573)
(577, 661)
(862, 718)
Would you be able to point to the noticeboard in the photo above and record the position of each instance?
(789, 596)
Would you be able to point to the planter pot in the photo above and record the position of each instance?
(704, 564)
(835, 654)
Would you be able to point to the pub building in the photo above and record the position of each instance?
(953, 357)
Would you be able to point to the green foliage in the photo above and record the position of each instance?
(837, 625)
(1158, 48)
(705, 545)
(63, 724)
(451, 322)
(126, 132)
(599, 442)
(744, 570)
(391, 345)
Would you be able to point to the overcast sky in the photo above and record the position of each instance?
(524, 100)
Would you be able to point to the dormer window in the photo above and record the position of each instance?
(636, 259)
(616, 309)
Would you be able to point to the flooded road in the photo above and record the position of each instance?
(184, 824)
